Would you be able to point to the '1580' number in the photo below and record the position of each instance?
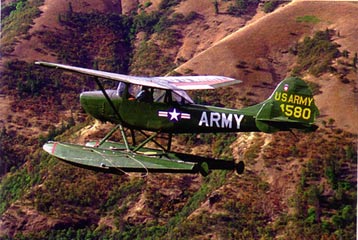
(296, 111)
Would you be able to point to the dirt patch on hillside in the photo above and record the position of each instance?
(338, 101)
(209, 28)
(264, 38)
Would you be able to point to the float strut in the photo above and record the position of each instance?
(145, 142)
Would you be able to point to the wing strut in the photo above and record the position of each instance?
(117, 114)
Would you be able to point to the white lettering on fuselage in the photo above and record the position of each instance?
(220, 120)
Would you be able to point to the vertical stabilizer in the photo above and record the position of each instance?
(291, 105)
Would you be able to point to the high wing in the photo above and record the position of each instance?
(176, 83)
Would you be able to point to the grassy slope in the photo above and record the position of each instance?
(266, 43)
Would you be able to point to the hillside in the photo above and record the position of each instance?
(296, 186)
(257, 46)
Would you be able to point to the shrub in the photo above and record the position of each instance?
(17, 21)
(270, 6)
(316, 53)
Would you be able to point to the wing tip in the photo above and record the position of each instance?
(46, 64)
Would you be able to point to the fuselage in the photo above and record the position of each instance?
(167, 117)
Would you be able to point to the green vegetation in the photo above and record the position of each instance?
(28, 79)
(16, 20)
(235, 218)
(157, 26)
(79, 45)
(13, 186)
(270, 6)
(323, 206)
(240, 7)
(16, 183)
(308, 19)
(326, 192)
(150, 60)
(76, 45)
(53, 132)
(315, 54)
(252, 151)
(222, 143)
(160, 21)
(9, 159)
(167, 4)
(120, 195)
(37, 90)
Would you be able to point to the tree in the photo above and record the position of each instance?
(345, 53)
(331, 122)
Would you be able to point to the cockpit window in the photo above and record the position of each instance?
(121, 89)
(168, 96)
(159, 95)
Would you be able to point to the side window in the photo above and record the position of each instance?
(159, 95)
(145, 95)
(121, 89)
(168, 96)
(163, 96)
(182, 97)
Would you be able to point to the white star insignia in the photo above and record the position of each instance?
(174, 115)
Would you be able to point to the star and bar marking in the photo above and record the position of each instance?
(174, 115)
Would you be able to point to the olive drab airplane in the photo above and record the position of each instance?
(163, 107)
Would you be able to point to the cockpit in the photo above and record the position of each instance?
(147, 94)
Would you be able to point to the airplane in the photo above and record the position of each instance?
(162, 106)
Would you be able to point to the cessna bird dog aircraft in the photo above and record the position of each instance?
(163, 107)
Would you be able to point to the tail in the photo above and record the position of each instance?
(290, 106)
